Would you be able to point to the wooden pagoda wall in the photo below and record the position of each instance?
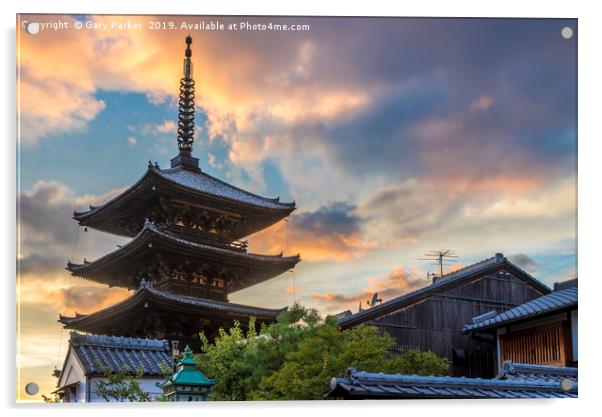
(435, 324)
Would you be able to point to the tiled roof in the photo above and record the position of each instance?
(359, 385)
(146, 291)
(444, 281)
(97, 269)
(96, 352)
(199, 182)
(205, 183)
(555, 301)
(528, 372)
(151, 229)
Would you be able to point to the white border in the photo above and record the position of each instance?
(590, 69)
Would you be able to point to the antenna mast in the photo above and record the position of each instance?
(440, 257)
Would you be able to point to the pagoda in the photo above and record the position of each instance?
(186, 254)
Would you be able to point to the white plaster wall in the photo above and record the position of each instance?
(74, 372)
(147, 384)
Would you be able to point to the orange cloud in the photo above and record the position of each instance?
(312, 247)
(331, 233)
(292, 289)
(482, 103)
(399, 281)
(58, 293)
(236, 79)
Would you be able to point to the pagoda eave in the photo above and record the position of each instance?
(152, 243)
(147, 301)
(194, 189)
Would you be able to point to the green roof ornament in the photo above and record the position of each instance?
(187, 383)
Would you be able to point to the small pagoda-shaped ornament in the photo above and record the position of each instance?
(187, 383)
(186, 254)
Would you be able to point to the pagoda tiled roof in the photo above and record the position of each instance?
(176, 302)
(196, 182)
(150, 232)
(205, 183)
(441, 284)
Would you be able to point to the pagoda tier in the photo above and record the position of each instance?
(151, 313)
(182, 266)
(184, 195)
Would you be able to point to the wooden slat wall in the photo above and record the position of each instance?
(544, 345)
(435, 324)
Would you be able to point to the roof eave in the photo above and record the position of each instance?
(494, 326)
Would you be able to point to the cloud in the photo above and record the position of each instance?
(67, 295)
(415, 212)
(397, 282)
(482, 103)
(337, 101)
(168, 126)
(49, 237)
(331, 232)
(46, 227)
(132, 140)
(525, 262)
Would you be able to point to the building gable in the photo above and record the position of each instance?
(432, 318)
(494, 279)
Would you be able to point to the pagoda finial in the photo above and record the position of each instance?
(188, 352)
(186, 104)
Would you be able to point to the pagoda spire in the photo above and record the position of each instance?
(186, 115)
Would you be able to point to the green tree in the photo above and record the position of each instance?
(238, 360)
(51, 399)
(295, 357)
(121, 386)
(307, 370)
(416, 362)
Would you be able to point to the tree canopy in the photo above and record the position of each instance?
(295, 357)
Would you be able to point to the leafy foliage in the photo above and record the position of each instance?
(238, 360)
(54, 398)
(295, 358)
(416, 362)
(329, 352)
(121, 386)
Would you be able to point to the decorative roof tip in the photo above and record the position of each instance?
(499, 257)
(144, 284)
(186, 108)
(188, 51)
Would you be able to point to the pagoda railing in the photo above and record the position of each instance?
(209, 238)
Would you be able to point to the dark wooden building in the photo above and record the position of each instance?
(542, 331)
(186, 253)
(432, 318)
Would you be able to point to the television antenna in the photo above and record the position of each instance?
(374, 300)
(440, 257)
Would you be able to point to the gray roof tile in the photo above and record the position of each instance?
(205, 183)
(529, 372)
(357, 384)
(96, 352)
(554, 301)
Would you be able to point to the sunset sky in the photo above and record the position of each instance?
(394, 137)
